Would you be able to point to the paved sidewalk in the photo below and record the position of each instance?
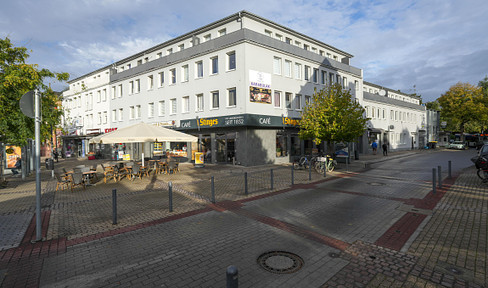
(449, 248)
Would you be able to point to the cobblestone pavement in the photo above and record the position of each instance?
(427, 241)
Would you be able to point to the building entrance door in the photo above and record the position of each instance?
(225, 144)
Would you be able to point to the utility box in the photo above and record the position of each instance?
(49, 164)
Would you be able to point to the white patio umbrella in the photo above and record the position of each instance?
(142, 132)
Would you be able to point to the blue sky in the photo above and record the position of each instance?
(401, 44)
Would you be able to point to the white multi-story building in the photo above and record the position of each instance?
(396, 118)
(239, 84)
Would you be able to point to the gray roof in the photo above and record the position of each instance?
(391, 101)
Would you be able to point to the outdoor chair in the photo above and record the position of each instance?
(172, 167)
(136, 172)
(161, 167)
(94, 168)
(109, 173)
(77, 180)
(123, 172)
(62, 181)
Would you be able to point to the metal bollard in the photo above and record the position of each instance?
(232, 277)
(213, 190)
(325, 168)
(246, 192)
(114, 207)
(439, 173)
(170, 192)
(433, 180)
(272, 179)
(309, 171)
(292, 176)
(449, 175)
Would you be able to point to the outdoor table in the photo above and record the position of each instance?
(87, 175)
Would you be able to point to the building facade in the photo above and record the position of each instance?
(239, 84)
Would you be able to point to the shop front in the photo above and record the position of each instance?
(246, 139)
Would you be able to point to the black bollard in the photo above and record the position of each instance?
(271, 179)
(232, 277)
(213, 190)
(114, 207)
(246, 192)
(439, 173)
(433, 180)
(170, 192)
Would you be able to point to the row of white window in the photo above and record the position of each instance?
(294, 70)
(299, 44)
(395, 115)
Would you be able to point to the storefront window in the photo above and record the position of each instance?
(281, 148)
(295, 145)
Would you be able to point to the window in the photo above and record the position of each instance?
(161, 108)
(99, 96)
(215, 65)
(139, 62)
(279, 37)
(150, 110)
(315, 75)
(222, 32)
(324, 77)
(288, 40)
(99, 118)
(308, 99)
(306, 47)
(288, 97)
(207, 37)
(231, 57)
(173, 106)
(199, 102)
(338, 81)
(391, 115)
(356, 85)
(169, 51)
(120, 91)
(121, 114)
(131, 112)
(297, 43)
(150, 82)
(314, 50)
(137, 85)
(161, 79)
(287, 68)
(298, 71)
(268, 33)
(113, 92)
(231, 97)
(307, 73)
(298, 101)
(215, 99)
(131, 87)
(105, 116)
(184, 73)
(138, 111)
(331, 79)
(173, 75)
(277, 99)
(186, 104)
(104, 95)
(199, 69)
(160, 54)
(277, 65)
(181, 47)
(114, 115)
(344, 83)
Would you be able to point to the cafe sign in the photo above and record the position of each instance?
(239, 120)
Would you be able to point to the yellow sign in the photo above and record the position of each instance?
(199, 159)
(126, 157)
(208, 122)
(292, 122)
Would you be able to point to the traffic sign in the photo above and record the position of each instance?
(27, 104)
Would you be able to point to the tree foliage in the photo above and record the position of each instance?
(16, 78)
(463, 107)
(332, 116)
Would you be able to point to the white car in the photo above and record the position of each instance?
(459, 145)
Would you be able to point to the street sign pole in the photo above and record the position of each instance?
(37, 164)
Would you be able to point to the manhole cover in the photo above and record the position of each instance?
(376, 184)
(280, 262)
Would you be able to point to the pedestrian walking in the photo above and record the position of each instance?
(385, 149)
(374, 146)
(17, 166)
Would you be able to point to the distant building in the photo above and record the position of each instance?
(239, 84)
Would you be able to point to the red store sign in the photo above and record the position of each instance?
(107, 130)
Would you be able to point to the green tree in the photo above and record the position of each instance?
(332, 116)
(16, 78)
(462, 106)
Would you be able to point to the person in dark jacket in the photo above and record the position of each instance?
(385, 149)
(17, 166)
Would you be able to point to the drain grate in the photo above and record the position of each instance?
(280, 262)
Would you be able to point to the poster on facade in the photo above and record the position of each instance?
(12, 153)
(260, 95)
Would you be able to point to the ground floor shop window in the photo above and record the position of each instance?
(295, 145)
(281, 147)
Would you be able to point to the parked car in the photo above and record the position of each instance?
(483, 151)
(459, 145)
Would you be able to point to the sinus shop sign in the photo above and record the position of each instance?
(239, 120)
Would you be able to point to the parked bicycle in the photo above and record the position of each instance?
(326, 162)
(303, 163)
(481, 164)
